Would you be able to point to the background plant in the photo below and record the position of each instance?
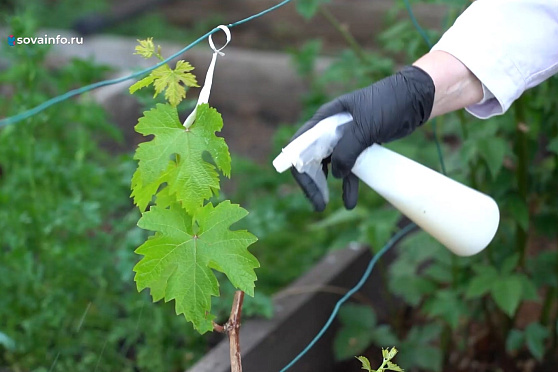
(387, 364)
(175, 182)
(508, 291)
(68, 233)
(444, 300)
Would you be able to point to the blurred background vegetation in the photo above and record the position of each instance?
(68, 301)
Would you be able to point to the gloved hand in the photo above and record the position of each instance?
(387, 110)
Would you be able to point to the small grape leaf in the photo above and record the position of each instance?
(394, 367)
(389, 354)
(166, 79)
(178, 260)
(365, 363)
(169, 80)
(145, 82)
(146, 48)
(192, 179)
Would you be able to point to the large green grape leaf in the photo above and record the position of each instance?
(189, 177)
(178, 260)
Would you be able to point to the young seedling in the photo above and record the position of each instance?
(387, 364)
(172, 187)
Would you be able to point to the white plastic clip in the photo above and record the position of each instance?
(206, 90)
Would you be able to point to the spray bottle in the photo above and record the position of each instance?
(461, 218)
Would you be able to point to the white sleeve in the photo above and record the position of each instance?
(510, 46)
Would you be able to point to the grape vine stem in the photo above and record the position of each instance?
(232, 328)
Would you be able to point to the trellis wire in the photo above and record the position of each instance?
(426, 39)
(401, 234)
(35, 110)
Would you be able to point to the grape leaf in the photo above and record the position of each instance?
(169, 80)
(143, 195)
(390, 354)
(178, 260)
(146, 48)
(365, 363)
(166, 79)
(191, 179)
(163, 78)
(145, 82)
(394, 367)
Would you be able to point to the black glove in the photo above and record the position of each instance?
(387, 110)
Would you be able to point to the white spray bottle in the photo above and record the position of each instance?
(462, 219)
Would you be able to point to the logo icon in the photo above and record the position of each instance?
(11, 40)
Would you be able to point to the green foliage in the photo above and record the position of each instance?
(493, 151)
(446, 305)
(359, 328)
(308, 8)
(553, 146)
(513, 158)
(507, 294)
(146, 48)
(52, 174)
(41, 12)
(534, 337)
(355, 335)
(190, 178)
(155, 23)
(175, 180)
(506, 288)
(68, 232)
(163, 78)
(387, 364)
(418, 349)
(365, 363)
(169, 80)
(152, 23)
(178, 260)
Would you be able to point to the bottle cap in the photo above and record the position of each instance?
(282, 162)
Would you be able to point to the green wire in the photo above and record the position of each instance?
(425, 37)
(35, 110)
(419, 29)
(400, 235)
